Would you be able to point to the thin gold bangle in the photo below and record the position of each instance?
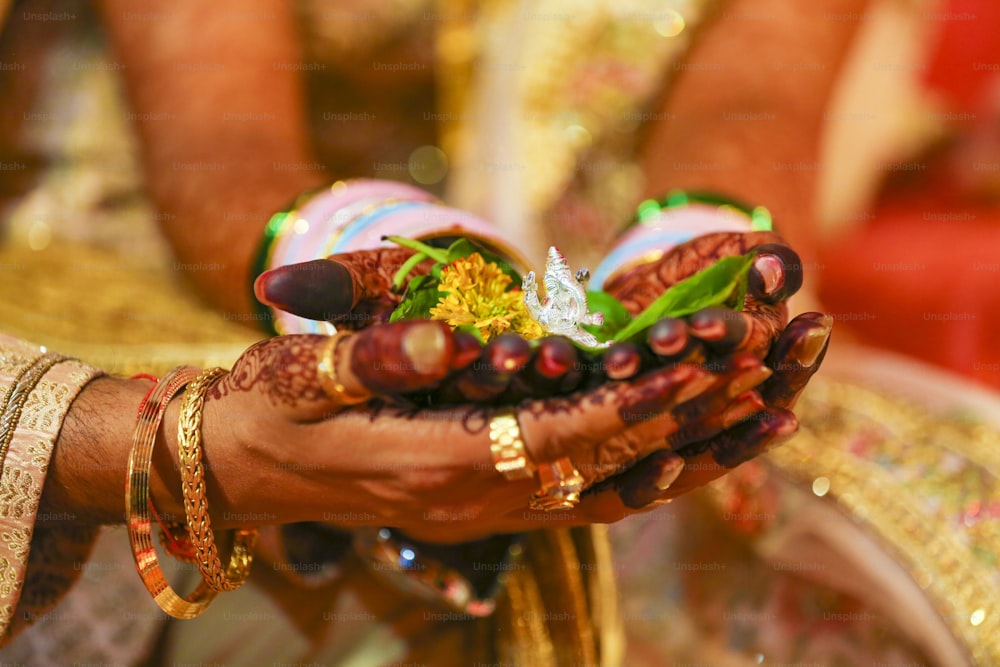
(199, 524)
(137, 514)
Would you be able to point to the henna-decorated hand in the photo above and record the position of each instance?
(775, 275)
(757, 420)
(351, 290)
(275, 451)
(760, 419)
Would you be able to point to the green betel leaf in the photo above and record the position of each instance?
(616, 317)
(421, 295)
(722, 284)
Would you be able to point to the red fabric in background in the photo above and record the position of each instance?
(923, 276)
(967, 53)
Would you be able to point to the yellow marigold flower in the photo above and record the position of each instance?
(476, 293)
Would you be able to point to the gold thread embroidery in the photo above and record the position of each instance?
(19, 494)
(18, 396)
(916, 513)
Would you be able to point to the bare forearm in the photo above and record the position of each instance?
(221, 119)
(746, 111)
(86, 477)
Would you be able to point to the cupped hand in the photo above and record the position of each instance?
(775, 275)
(278, 451)
(757, 419)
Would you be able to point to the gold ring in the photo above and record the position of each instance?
(510, 458)
(334, 389)
(562, 485)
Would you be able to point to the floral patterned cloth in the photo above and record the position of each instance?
(37, 553)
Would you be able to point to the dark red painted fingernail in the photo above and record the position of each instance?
(622, 361)
(317, 290)
(467, 349)
(668, 336)
(811, 343)
(556, 356)
(776, 273)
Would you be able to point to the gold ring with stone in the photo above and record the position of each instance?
(561, 484)
(510, 458)
(335, 389)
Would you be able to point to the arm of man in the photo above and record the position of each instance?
(218, 104)
(746, 110)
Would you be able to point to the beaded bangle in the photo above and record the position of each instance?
(660, 225)
(760, 217)
(425, 571)
(199, 524)
(137, 501)
(17, 396)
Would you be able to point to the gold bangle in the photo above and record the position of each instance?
(199, 524)
(328, 359)
(137, 514)
(507, 447)
(561, 484)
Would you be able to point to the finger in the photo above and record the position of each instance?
(332, 289)
(489, 375)
(796, 356)
(721, 327)
(605, 430)
(556, 356)
(553, 365)
(649, 479)
(731, 448)
(396, 358)
(753, 437)
(622, 361)
(737, 375)
(742, 408)
(640, 286)
(668, 337)
(318, 290)
(765, 322)
(776, 273)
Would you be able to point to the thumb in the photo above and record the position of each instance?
(349, 289)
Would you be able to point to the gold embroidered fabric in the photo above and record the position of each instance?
(36, 560)
(927, 486)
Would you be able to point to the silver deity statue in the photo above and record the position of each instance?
(564, 309)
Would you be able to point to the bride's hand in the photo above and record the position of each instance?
(277, 451)
(759, 419)
(775, 275)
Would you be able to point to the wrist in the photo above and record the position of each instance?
(90, 459)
